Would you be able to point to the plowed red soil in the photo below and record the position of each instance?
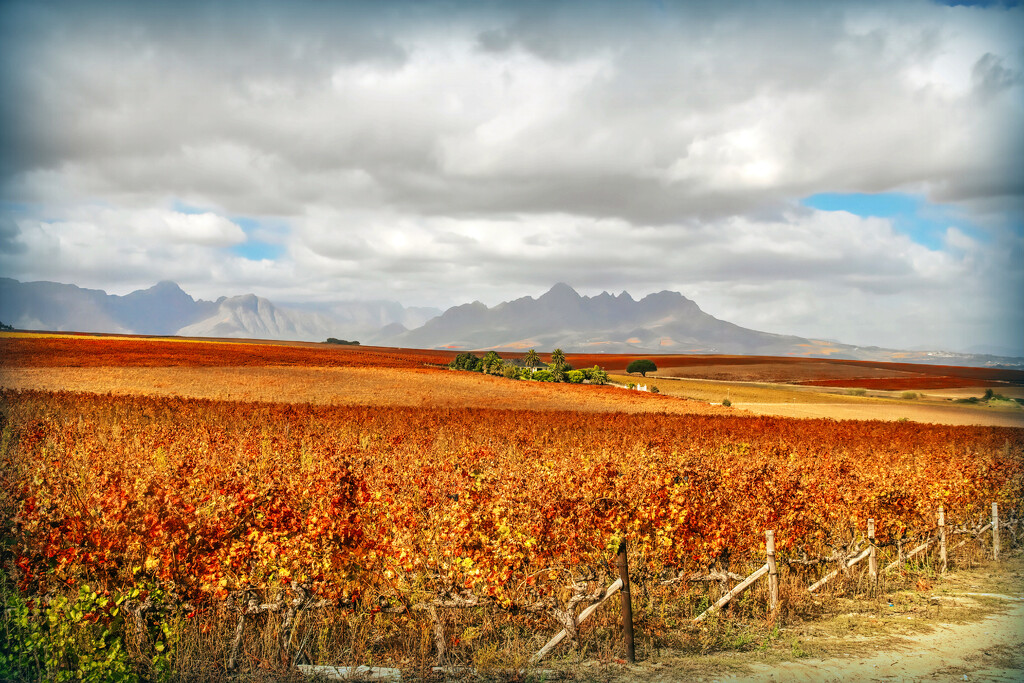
(76, 351)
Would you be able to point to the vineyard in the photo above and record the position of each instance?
(179, 532)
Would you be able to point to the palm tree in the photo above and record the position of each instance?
(532, 360)
(557, 365)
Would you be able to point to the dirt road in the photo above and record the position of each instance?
(988, 650)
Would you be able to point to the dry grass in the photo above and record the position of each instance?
(349, 386)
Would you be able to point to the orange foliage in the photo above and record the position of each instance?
(209, 497)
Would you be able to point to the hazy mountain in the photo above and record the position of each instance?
(666, 322)
(253, 317)
(165, 309)
(161, 309)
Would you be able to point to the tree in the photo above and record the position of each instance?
(531, 360)
(492, 363)
(557, 365)
(641, 365)
(466, 361)
(598, 376)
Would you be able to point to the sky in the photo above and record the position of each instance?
(848, 171)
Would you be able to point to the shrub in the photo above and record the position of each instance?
(910, 395)
(654, 390)
(543, 376)
(726, 402)
(856, 392)
(641, 365)
(332, 340)
(510, 371)
(574, 376)
(597, 375)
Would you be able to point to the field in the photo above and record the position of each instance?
(175, 508)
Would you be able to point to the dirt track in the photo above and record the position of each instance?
(987, 650)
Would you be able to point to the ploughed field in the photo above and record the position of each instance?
(169, 511)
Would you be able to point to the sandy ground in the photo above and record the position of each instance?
(987, 650)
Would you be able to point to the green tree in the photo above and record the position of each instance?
(492, 363)
(641, 365)
(531, 360)
(558, 365)
(466, 361)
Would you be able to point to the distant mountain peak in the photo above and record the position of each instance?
(561, 290)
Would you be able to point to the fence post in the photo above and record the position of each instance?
(872, 558)
(773, 572)
(627, 603)
(995, 531)
(942, 538)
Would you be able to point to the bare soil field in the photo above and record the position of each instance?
(813, 371)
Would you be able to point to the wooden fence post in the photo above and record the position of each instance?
(942, 538)
(773, 572)
(627, 603)
(872, 557)
(995, 531)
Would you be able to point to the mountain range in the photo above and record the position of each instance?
(165, 309)
(664, 322)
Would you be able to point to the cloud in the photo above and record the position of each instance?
(9, 234)
(438, 157)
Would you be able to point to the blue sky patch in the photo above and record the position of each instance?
(911, 215)
(257, 251)
(255, 248)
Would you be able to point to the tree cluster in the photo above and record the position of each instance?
(332, 340)
(558, 370)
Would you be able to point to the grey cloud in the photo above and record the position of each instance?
(261, 80)
(9, 234)
(990, 76)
